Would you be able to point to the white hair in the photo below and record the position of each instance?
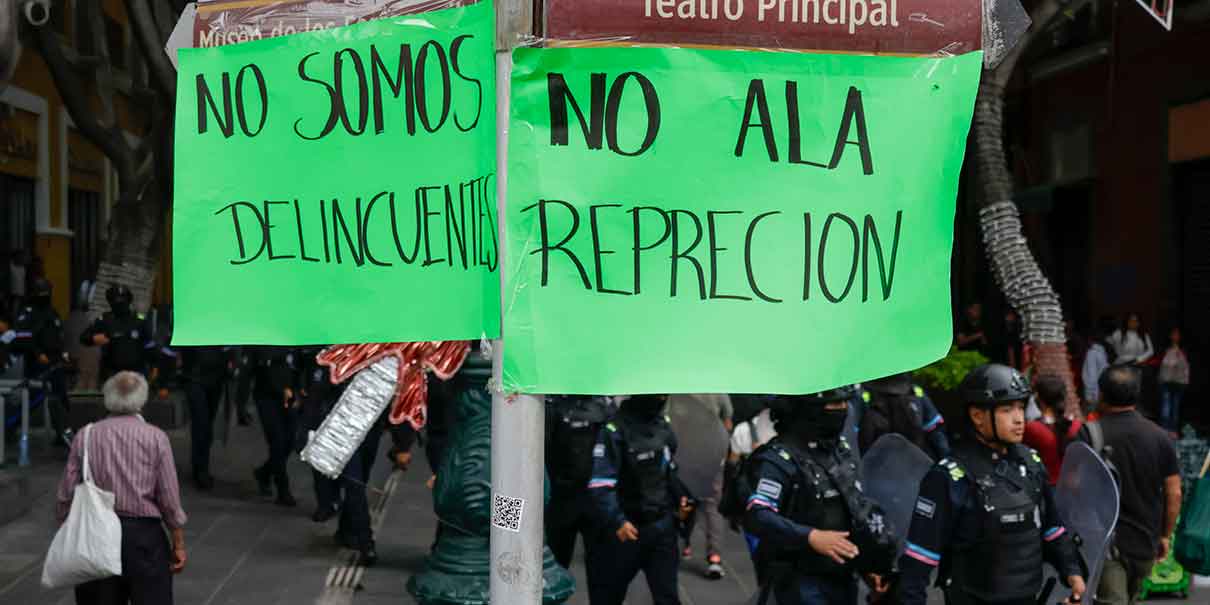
(125, 393)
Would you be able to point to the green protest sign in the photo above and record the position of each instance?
(729, 221)
(338, 186)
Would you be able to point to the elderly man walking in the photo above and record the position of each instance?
(133, 460)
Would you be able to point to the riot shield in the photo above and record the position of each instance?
(702, 443)
(1087, 496)
(891, 473)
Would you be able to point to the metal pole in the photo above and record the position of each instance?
(517, 420)
(23, 444)
(4, 393)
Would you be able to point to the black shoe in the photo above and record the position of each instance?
(368, 555)
(204, 482)
(263, 487)
(286, 499)
(325, 513)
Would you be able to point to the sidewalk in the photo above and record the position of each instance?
(244, 551)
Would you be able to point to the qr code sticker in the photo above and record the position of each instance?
(506, 512)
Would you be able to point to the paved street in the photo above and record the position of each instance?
(244, 551)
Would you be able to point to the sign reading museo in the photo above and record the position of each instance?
(338, 186)
(729, 221)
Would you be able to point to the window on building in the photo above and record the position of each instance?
(16, 224)
(58, 16)
(115, 36)
(84, 219)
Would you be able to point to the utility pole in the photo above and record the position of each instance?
(517, 420)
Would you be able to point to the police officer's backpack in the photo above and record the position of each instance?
(886, 413)
(735, 491)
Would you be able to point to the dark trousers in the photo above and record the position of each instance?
(146, 569)
(955, 596)
(278, 424)
(613, 564)
(204, 400)
(327, 491)
(355, 513)
(54, 395)
(816, 590)
(567, 516)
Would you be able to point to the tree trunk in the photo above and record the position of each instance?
(131, 255)
(1013, 264)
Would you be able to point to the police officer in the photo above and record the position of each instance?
(274, 382)
(38, 336)
(204, 372)
(986, 515)
(319, 398)
(637, 497)
(125, 337)
(806, 510)
(572, 425)
(895, 405)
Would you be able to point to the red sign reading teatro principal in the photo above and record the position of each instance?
(889, 26)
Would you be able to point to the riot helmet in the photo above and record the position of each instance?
(40, 292)
(119, 298)
(895, 384)
(991, 386)
(645, 407)
(807, 418)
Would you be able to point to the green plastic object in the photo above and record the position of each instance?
(1167, 577)
(458, 570)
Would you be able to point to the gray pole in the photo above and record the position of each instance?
(517, 420)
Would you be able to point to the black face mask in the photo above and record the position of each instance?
(819, 425)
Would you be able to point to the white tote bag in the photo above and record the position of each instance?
(88, 546)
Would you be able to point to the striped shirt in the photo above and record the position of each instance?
(133, 460)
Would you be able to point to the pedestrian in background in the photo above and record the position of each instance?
(1096, 360)
(1150, 480)
(1131, 342)
(126, 338)
(573, 423)
(274, 381)
(16, 278)
(970, 335)
(719, 406)
(205, 371)
(133, 460)
(38, 335)
(637, 497)
(1052, 432)
(1174, 379)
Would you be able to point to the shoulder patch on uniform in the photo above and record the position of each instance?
(611, 427)
(1034, 454)
(925, 508)
(141, 316)
(865, 396)
(598, 450)
(957, 473)
(918, 391)
(769, 488)
(784, 454)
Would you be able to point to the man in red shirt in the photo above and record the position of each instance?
(1051, 433)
